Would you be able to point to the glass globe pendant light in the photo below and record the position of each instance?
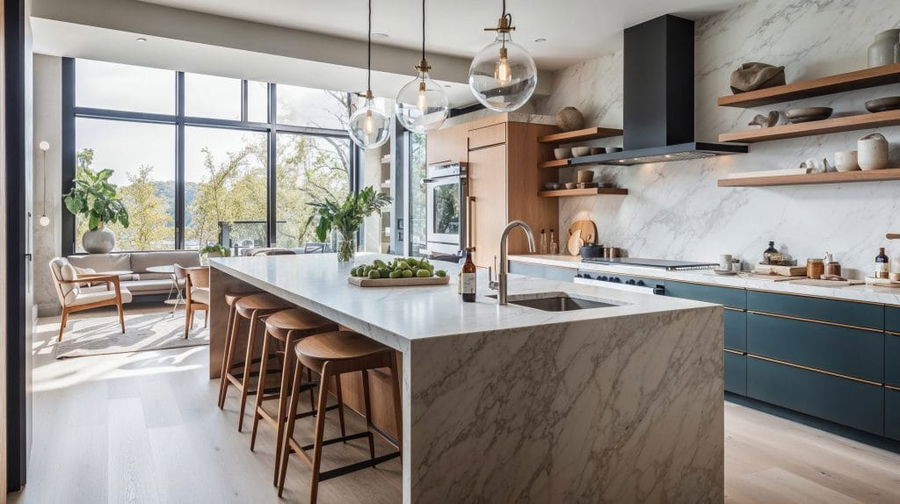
(369, 127)
(503, 75)
(421, 104)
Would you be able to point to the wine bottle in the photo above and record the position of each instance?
(882, 264)
(468, 279)
(770, 253)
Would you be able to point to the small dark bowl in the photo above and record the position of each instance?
(591, 250)
(883, 104)
(808, 114)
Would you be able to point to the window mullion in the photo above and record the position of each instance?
(179, 161)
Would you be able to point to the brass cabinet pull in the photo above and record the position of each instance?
(470, 231)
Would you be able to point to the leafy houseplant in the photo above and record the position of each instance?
(346, 218)
(95, 197)
(214, 250)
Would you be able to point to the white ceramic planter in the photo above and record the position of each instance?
(881, 52)
(99, 241)
(873, 152)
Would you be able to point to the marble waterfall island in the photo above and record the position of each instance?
(622, 403)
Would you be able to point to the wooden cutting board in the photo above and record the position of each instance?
(588, 230)
(573, 246)
(770, 269)
(828, 283)
(397, 282)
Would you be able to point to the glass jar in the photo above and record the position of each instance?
(815, 268)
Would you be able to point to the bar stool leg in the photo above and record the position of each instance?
(312, 397)
(286, 379)
(233, 324)
(340, 399)
(365, 379)
(260, 387)
(245, 383)
(289, 432)
(320, 432)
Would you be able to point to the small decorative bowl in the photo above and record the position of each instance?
(551, 186)
(883, 104)
(571, 185)
(562, 152)
(585, 175)
(580, 151)
(807, 114)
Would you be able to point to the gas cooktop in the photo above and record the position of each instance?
(653, 263)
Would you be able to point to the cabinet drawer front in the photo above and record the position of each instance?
(829, 310)
(535, 270)
(892, 413)
(892, 359)
(847, 402)
(736, 330)
(892, 319)
(736, 373)
(489, 135)
(734, 298)
(852, 352)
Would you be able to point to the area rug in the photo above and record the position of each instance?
(149, 331)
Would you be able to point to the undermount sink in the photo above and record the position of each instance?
(557, 303)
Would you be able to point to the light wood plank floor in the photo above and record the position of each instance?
(144, 428)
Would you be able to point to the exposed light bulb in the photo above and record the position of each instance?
(422, 100)
(370, 124)
(44, 221)
(502, 72)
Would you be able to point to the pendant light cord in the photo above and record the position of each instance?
(423, 30)
(369, 67)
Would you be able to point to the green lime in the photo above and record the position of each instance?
(384, 272)
(440, 273)
(402, 265)
(423, 273)
(374, 274)
(407, 273)
(396, 274)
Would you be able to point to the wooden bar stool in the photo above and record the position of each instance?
(230, 299)
(255, 308)
(284, 329)
(331, 355)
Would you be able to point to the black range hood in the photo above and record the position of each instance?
(659, 98)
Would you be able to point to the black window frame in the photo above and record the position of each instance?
(70, 112)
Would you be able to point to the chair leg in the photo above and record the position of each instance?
(289, 432)
(340, 399)
(206, 318)
(287, 369)
(187, 321)
(245, 382)
(62, 323)
(230, 335)
(260, 388)
(121, 316)
(368, 404)
(320, 433)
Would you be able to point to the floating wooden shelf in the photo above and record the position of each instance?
(556, 163)
(833, 125)
(812, 178)
(562, 193)
(580, 135)
(861, 79)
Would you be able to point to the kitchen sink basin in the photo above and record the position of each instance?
(557, 303)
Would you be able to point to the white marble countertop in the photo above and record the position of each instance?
(317, 282)
(864, 293)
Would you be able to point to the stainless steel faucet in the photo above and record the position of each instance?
(501, 283)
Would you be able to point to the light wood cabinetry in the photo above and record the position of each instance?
(501, 155)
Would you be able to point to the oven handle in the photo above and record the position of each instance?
(469, 216)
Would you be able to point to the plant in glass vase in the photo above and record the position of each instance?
(95, 197)
(347, 217)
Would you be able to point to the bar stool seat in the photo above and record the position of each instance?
(333, 354)
(284, 329)
(254, 307)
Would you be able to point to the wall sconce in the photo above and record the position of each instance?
(44, 146)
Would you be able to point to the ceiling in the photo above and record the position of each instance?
(575, 30)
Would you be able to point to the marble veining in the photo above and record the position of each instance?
(676, 211)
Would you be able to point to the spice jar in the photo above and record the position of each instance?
(815, 268)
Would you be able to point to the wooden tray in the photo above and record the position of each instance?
(882, 282)
(827, 283)
(771, 269)
(397, 282)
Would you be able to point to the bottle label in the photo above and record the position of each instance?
(881, 267)
(468, 283)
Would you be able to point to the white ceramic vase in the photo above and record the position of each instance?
(99, 241)
(846, 161)
(881, 52)
(872, 152)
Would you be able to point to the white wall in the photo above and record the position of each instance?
(47, 127)
(676, 211)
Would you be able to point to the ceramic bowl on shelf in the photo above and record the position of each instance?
(883, 104)
(585, 176)
(580, 151)
(562, 152)
(597, 150)
(551, 186)
(571, 185)
(807, 114)
(846, 161)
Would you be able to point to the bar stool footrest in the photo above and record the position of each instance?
(340, 471)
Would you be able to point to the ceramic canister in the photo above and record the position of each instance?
(872, 152)
(846, 161)
(881, 52)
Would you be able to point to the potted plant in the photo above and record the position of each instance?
(213, 250)
(95, 197)
(346, 218)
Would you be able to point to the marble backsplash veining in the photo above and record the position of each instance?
(676, 211)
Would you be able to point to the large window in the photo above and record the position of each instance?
(201, 159)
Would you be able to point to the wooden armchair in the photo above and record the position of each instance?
(74, 296)
(196, 288)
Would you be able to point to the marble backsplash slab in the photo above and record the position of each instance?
(676, 211)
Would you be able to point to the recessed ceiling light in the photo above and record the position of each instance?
(141, 39)
(540, 40)
(380, 35)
